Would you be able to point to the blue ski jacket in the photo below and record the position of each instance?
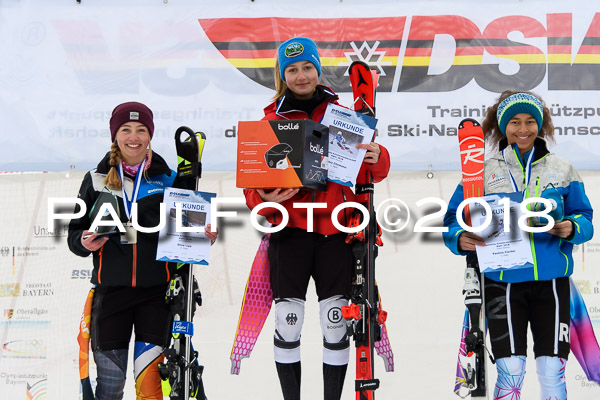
(552, 255)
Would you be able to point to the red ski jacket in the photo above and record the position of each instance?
(335, 194)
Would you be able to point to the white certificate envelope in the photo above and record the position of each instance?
(347, 128)
(182, 239)
(507, 246)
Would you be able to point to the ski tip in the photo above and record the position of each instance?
(467, 123)
(236, 363)
(235, 366)
(355, 63)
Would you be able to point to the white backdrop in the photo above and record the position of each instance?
(205, 64)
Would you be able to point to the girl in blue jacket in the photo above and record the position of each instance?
(519, 126)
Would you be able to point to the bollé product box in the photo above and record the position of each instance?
(282, 154)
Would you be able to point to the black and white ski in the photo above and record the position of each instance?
(181, 374)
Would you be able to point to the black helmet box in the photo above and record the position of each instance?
(282, 154)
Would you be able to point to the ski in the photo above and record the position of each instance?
(471, 364)
(584, 344)
(256, 305)
(364, 316)
(181, 374)
(83, 338)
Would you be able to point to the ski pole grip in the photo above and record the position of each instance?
(188, 148)
(189, 152)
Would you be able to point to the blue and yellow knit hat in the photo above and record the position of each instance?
(516, 104)
(297, 49)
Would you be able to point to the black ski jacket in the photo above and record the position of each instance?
(117, 264)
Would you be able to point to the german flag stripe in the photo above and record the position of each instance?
(476, 43)
(330, 56)
(252, 42)
(325, 61)
(250, 45)
(277, 30)
(560, 45)
(324, 46)
(466, 51)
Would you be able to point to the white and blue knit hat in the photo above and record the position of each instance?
(516, 104)
(297, 49)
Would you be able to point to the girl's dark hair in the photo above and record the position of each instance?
(492, 132)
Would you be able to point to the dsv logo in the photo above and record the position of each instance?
(334, 315)
(4, 251)
(289, 126)
(291, 319)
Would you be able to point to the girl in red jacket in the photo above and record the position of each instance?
(297, 254)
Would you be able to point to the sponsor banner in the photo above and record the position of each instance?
(24, 349)
(33, 251)
(42, 289)
(22, 378)
(82, 273)
(28, 385)
(10, 289)
(37, 390)
(208, 66)
(24, 314)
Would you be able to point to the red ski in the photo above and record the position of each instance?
(364, 316)
(470, 369)
(472, 152)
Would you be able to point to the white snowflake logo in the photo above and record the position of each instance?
(369, 55)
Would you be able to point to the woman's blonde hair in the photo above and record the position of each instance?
(494, 135)
(113, 180)
(280, 85)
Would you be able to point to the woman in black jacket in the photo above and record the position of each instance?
(130, 284)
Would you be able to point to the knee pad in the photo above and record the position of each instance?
(289, 317)
(145, 368)
(511, 372)
(336, 346)
(111, 367)
(551, 375)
